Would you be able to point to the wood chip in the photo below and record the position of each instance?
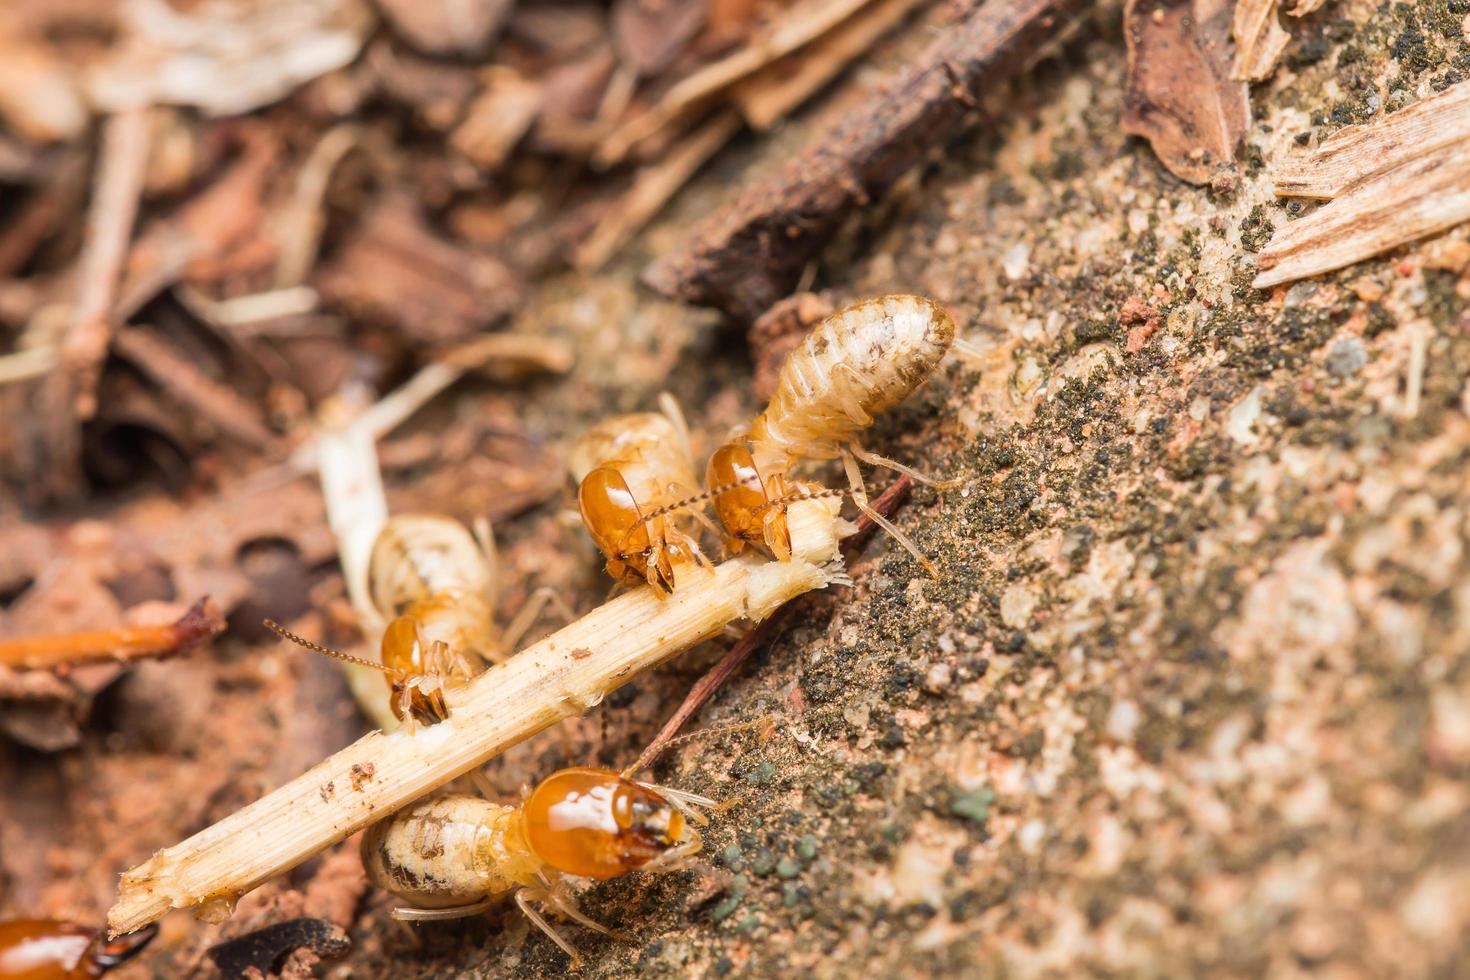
(173, 371)
(1180, 95)
(1356, 153)
(500, 115)
(1392, 183)
(394, 269)
(649, 34)
(227, 58)
(1259, 39)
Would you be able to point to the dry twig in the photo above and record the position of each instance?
(652, 188)
(753, 251)
(560, 676)
(769, 94)
(69, 395)
(202, 622)
(796, 28)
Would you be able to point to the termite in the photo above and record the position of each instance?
(629, 468)
(435, 585)
(852, 366)
(455, 856)
(50, 949)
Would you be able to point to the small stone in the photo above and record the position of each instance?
(762, 774)
(807, 847)
(974, 805)
(1346, 358)
(733, 858)
(1017, 604)
(764, 861)
(1123, 719)
(1016, 260)
(938, 677)
(787, 868)
(723, 910)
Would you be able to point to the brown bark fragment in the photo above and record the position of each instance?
(752, 252)
(1181, 97)
(396, 270)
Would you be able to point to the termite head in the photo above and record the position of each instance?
(752, 505)
(56, 950)
(739, 493)
(596, 823)
(636, 549)
(406, 654)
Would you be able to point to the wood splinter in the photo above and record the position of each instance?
(547, 682)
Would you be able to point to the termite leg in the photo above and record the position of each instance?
(443, 915)
(557, 897)
(405, 705)
(669, 405)
(524, 897)
(860, 497)
(682, 540)
(690, 494)
(481, 782)
(485, 535)
(873, 459)
(535, 604)
(674, 858)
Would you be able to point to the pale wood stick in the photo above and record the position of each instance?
(561, 676)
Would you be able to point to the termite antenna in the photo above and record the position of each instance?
(651, 754)
(796, 495)
(698, 498)
(868, 512)
(302, 641)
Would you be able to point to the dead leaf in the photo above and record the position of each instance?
(1394, 182)
(1180, 96)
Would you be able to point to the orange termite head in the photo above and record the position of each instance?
(633, 547)
(48, 949)
(409, 660)
(739, 493)
(596, 823)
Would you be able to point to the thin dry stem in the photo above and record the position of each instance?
(653, 187)
(769, 94)
(200, 623)
(560, 676)
(794, 29)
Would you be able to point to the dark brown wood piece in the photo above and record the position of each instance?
(753, 252)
